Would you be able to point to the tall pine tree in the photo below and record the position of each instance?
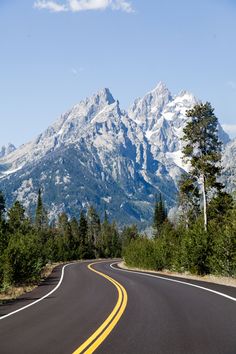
(160, 215)
(202, 149)
(41, 220)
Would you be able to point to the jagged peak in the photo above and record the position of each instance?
(7, 149)
(186, 94)
(161, 86)
(159, 90)
(103, 96)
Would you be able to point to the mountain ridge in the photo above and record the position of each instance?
(128, 156)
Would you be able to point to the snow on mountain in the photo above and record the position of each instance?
(98, 153)
(229, 166)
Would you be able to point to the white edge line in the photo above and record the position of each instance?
(175, 281)
(42, 298)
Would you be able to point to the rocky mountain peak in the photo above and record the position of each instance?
(102, 98)
(97, 153)
(6, 150)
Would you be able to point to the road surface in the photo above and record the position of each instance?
(121, 312)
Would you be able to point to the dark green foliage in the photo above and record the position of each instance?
(220, 206)
(222, 259)
(94, 232)
(110, 240)
(189, 199)
(23, 259)
(26, 247)
(16, 218)
(160, 215)
(202, 149)
(192, 249)
(140, 253)
(84, 250)
(202, 146)
(129, 233)
(41, 220)
(2, 205)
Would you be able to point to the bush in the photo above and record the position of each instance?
(140, 253)
(23, 259)
(195, 250)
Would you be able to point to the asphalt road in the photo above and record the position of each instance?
(161, 316)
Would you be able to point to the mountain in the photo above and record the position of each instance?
(229, 166)
(97, 153)
(6, 150)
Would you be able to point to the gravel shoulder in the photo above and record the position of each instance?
(228, 281)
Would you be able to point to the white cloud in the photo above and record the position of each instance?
(50, 5)
(122, 5)
(230, 129)
(84, 5)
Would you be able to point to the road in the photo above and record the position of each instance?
(143, 314)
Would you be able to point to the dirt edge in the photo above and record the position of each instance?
(228, 281)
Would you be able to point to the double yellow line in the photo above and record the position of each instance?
(93, 342)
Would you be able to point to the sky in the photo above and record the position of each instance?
(55, 53)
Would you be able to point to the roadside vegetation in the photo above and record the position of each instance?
(203, 238)
(27, 246)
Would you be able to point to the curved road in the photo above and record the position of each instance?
(161, 316)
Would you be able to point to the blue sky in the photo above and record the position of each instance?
(55, 53)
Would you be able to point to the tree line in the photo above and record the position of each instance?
(26, 245)
(203, 238)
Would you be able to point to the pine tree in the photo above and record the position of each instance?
(41, 220)
(160, 215)
(3, 230)
(67, 244)
(2, 205)
(203, 149)
(94, 231)
(128, 234)
(188, 199)
(17, 219)
(84, 251)
(76, 238)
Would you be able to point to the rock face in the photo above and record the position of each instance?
(229, 166)
(6, 150)
(99, 154)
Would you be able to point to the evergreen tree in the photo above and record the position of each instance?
(41, 220)
(105, 238)
(128, 234)
(3, 231)
(189, 199)
(23, 259)
(223, 256)
(94, 232)
(220, 206)
(3, 234)
(17, 219)
(66, 240)
(160, 215)
(76, 238)
(202, 149)
(115, 244)
(2, 205)
(84, 251)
